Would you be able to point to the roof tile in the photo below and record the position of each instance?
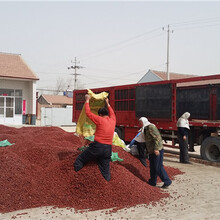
(13, 66)
(58, 99)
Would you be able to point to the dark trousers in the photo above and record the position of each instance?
(141, 147)
(157, 169)
(96, 152)
(183, 144)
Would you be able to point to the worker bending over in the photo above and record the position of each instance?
(101, 149)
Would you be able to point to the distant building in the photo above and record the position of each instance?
(17, 91)
(154, 76)
(54, 110)
(55, 100)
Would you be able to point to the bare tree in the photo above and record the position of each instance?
(70, 84)
(60, 86)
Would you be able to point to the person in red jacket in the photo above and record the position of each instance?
(101, 149)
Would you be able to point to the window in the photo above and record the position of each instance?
(80, 97)
(79, 106)
(9, 102)
(1, 102)
(18, 92)
(9, 107)
(18, 105)
(6, 92)
(9, 112)
(125, 100)
(1, 105)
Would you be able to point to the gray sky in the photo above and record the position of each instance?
(116, 42)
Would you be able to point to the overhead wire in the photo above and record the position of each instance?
(191, 24)
(195, 21)
(115, 78)
(110, 51)
(196, 27)
(125, 75)
(177, 25)
(119, 43)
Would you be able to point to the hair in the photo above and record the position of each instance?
(103, 111)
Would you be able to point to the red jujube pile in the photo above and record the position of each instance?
(38, 171)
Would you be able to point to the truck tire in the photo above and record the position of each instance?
(210, 149)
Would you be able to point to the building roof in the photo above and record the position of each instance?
(57, 99)
(160, 75)
(173, 76)
(13, 66)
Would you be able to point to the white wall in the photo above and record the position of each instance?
(149, 77)
(56, 116)
(28, 88)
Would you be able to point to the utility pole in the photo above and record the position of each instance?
(168, 48)
(75, 67)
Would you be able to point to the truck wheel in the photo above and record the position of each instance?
(210, 149)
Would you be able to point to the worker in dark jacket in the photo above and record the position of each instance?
(183, 131)
(101, 149)
(155, 149)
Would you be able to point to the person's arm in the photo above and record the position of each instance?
(111, 112)
(95, 118)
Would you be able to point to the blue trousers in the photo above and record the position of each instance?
(157, 169)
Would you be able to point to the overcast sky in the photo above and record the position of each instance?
(115, 42)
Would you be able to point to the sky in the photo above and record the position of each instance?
(115, 43)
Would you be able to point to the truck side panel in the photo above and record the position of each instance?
(194, 100)
(154, 101)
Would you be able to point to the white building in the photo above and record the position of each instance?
(17, 91)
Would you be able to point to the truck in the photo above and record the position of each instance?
(163, 102)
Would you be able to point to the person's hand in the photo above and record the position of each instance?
(157, 152)
(107, 102)
(184, 137)
(87, 97)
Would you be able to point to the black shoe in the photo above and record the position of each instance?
(191, 150)
(165, 186)
(187, 162)
(148, 182)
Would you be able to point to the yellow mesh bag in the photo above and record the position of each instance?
(84, 125)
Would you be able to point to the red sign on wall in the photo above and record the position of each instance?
(24, 107)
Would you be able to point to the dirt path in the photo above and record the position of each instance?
(194, 195)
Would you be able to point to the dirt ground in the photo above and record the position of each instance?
(193, 195)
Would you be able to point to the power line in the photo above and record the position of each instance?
(126, 75)
(177, 24)
(112, 50)
(120, 43)
(196, 21)
(61, 73)
(195, 27)
(75, 67)
(50, 90)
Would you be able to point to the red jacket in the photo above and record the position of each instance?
(105, 126)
